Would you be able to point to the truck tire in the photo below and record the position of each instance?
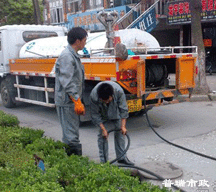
(8, 93)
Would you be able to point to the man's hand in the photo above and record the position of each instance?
(123, 130)
(123, 126)
(104, 131)
(79, 107)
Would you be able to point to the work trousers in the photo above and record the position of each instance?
(119, 140)
(69, 121)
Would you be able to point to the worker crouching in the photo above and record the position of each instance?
(108, 103)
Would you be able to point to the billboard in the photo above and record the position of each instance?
(147, 22)
(179, 12)
(89, 21)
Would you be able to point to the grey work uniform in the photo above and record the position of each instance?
(69, 81)
(114, 112)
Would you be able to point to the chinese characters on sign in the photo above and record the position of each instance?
(147, 22)
(189, 183)
(179, 12)
(89, 21)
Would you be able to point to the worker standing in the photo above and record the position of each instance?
(69, 87)
(108, 103)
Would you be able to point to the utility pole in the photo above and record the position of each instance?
(37, 13)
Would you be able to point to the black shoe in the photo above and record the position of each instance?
(75, 149)
(126, 161)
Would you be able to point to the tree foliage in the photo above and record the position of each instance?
(17, 12)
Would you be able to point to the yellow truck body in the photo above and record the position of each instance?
(131, 74)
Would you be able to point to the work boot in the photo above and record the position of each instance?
(125, 161)
(75, 149)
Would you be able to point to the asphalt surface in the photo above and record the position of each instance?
(198, 173)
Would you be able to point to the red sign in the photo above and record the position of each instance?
(207, 42)
(179, 11)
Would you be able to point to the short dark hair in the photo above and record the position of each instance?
(104, 91)
(76, 33)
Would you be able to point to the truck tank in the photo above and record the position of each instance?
(53, 46)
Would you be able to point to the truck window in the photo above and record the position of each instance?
(31, 35)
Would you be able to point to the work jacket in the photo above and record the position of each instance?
(117, 108)
(69, 79)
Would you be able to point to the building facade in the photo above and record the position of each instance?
(58, 12)
(173, 28)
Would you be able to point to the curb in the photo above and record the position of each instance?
(197, 98)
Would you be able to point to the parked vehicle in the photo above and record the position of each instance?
(150, 75)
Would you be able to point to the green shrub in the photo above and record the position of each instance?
(8, 120)
(19, 172)
(25, 135)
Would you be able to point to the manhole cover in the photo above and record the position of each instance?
(163, 169)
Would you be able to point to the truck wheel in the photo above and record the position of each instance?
(8, 93)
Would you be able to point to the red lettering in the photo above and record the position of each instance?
(187, 7)
(94, 18)
(210, 5)
(181, 8)
(75, 22)
(175, 9)
(89, 19)
(204, 5)
(171, 10)
(80, 21)
(85, 20)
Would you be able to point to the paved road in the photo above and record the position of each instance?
(190, 124)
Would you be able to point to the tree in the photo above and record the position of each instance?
(37, 12)
(197, 40)
(17, 12)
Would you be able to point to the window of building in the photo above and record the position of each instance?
(131, 1)
(56, 11)
(94, 4)
(73, 6)
(117, 3)
(53, 16)
(57, 15)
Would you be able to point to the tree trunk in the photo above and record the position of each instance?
(37, 12)
(197, 40)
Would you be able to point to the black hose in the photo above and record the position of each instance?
(125, 151)
(132, 166)
(179, 146)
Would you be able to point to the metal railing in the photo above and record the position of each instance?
(138, 10)
(149, 50)
(148, 9)
(129, 16)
